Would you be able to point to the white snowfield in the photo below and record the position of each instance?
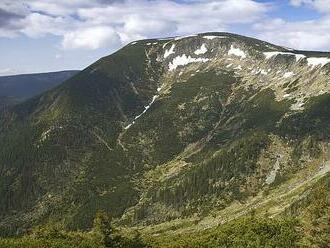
(169, 51)
(312, 61)
(317, 61)
(184, 60)
(237, 52)
(288, 74)
(263, 72)
(143, 112)
(182, 37)
(211, 37)
(298, 56)
(201, 50)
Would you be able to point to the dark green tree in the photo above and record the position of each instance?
(102, 225)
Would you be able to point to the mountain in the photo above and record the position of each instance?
(174, 135)
(7, 100)
(24, 86)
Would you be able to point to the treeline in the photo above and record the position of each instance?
(250, 231)
(102, 235)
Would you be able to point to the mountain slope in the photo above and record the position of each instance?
(167, 134)
(25, 86)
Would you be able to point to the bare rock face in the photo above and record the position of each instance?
(196, 130)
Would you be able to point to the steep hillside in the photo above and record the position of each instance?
(175, 134)
(21, 87)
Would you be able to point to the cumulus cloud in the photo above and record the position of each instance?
(91, 38)
(93, 23)
(37, 25)
(312, 34)
(299, 35)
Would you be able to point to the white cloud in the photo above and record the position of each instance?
(36, 25)
(91, 38)
(142, 18)
(9, 71)
(92, 24)
(59, 7)
(306, 35)
(322, 6)
(5, 70)
(313, 34)
(127, 19)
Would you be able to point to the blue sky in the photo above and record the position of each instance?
(49, 35)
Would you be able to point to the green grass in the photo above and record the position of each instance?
(246, 232)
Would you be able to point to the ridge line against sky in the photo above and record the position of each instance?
(51, 35)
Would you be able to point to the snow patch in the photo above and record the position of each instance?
(288, 74)
(237, 52)
(297, 106)
(211, 37)
(299, 56)
(317, 61)
(169, 51)
(287, 48)
(272, 175)
(143, 112)
(263, 72)
(268, 55)
(258, 70)
(201, 50)
(129, 125)
(182, 37)
(45, 135)
(184, 60)
(165, 44)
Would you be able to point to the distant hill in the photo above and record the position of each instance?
(6, 101)
(24, 86)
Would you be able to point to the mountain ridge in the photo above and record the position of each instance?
(23, 86)
(178, 133)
